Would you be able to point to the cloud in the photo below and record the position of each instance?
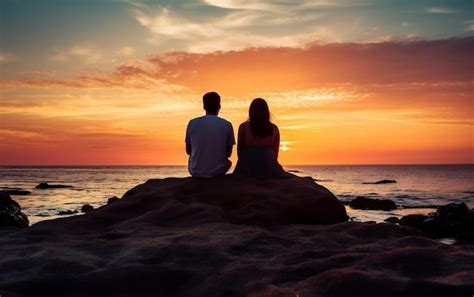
(239, 24)
(6, 57)
(279, 6)
(281, 69)
(469, 25)
(440, 10)
(86, 50)
(125, 51)
(316, 65)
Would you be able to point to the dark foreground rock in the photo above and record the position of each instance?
(451, 220)
(10, 213)
(373, 204)
(173, 237)
(381, 182)
(48, 186)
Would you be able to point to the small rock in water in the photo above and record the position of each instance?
(112, 199)
(87, 208)
(10, 213)
(15, 191)
(393, 220)
(414, 221)
(361, 202)
(48, 186)
(380, 182)
(67, 212)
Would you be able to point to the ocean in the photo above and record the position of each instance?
(418, 188)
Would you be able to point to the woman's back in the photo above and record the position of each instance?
(247, 138)
(258, 155)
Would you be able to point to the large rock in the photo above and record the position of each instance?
(271, 202)
(227, 237)
(10, 213)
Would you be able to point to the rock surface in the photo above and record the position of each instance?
(48, 186)
(15, 191)
(381, 182)
(10, 213)
(67, 212)
(451, 220)
(361, 202)
(199, 237)
(87, 208)
(112, 199)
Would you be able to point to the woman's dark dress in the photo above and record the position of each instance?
(257, 157)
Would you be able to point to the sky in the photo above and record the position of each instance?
(108, 82)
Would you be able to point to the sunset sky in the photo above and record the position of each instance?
(348, 82)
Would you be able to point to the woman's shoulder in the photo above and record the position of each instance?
(275, 127)
(245, 124)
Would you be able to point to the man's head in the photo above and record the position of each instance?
(212, 103)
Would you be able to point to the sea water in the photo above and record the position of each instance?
(418, 188)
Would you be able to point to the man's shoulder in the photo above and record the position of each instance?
(225, 121)
(196, 120)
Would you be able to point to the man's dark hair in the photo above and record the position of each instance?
(212, 102)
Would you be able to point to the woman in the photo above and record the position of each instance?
(258, 144)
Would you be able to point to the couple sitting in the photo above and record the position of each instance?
(209, 142)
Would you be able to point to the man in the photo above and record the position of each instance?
(209, 140)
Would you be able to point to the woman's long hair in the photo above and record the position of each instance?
(259, 118)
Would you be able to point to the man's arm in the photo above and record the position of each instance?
(187, 140)
(188, 148)
(230, 142)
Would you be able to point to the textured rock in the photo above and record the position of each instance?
(374, 204)
(381, 182)
(67, 212)
(10, 213)
(48, 186)
(393, 220)
(112, 199)
(87, 208)
(451, 220)
(184, 237)
(15, 191)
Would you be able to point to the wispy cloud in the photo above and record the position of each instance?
(87, 51)
(125, 51)
(238, 24)
(440, 10)
(469, 25)
(6, 57)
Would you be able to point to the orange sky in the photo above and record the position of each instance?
(335, 104)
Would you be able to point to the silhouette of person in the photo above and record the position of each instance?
(209, 140)
(258, 144)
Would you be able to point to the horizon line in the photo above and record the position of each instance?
(184, 165)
